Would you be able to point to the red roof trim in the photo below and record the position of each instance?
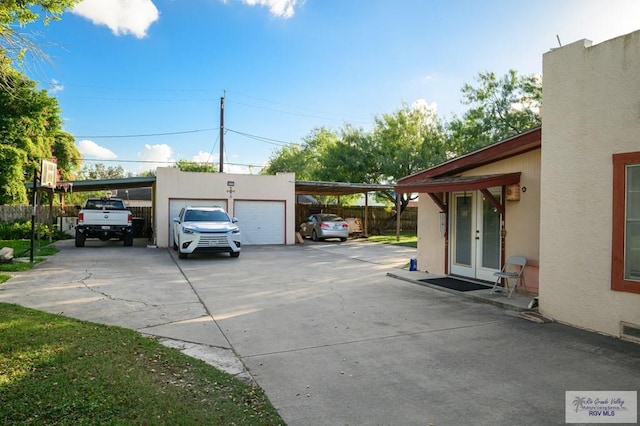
(458, 183)
(516, 145)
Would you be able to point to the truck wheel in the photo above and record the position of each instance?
(128, 240)
(79, 239)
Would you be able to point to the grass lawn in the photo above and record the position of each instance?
(406, 239)
(56, 370)
(21, 248)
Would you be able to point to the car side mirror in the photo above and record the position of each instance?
(234, 220)
(176, 219)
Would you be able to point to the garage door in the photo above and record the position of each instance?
(176, 204)
(261, 222)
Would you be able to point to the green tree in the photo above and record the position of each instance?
(499, 108)
(98, 171)
(192, 166)
(12, 189)
(14, 16)
(401, 143)
(30, 123)
(305, 160)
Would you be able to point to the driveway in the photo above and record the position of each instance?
(330, 337)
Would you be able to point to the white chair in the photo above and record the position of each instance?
(513, 270)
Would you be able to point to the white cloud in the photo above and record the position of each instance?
(159, 155)
(203, 157)
(91, 149)
(55, 86)
(280, 8)
(122, 17)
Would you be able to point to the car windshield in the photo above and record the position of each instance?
(205, 216)
(330, 218)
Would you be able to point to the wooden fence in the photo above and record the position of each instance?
(381, 219)
(142, 216)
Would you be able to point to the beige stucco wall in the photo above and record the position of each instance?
(171, 183)
(430, 240)
(522, 218)
(591, 111)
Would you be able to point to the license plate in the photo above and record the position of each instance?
(107, 227)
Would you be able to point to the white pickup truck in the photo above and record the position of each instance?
(104, 218)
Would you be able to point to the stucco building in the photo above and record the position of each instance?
(566, 196)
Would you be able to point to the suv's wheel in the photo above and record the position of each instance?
(314, 235)
(79, 239)
(175, 246)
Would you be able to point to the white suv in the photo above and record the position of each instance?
(205, 229)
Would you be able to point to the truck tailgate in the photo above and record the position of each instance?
(106, 217)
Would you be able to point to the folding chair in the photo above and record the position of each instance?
(513, 269)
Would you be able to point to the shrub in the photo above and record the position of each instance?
(21, 230)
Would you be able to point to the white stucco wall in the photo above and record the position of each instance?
(171, 183)
(591, 110)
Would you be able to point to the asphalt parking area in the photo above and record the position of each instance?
(331, 338)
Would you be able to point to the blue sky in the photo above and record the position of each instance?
(140, 81)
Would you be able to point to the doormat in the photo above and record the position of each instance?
(454, 284)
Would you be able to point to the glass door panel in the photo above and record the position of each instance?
(463, 235)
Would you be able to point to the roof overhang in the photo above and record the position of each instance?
(338, 188)
(103, 184)
(517, 145)
(458, 183)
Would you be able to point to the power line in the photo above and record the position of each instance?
(100, 160)
(145, 135)
(262, 138)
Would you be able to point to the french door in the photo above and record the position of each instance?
(474, 235)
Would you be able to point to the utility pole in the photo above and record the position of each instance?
(222, 133)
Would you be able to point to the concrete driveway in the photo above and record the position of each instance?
(330, 337)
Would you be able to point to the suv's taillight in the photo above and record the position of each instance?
(81, 217)
(130, 219)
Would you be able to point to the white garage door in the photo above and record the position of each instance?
(261, 222)
(176, 204)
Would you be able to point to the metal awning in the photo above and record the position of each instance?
(458, 183)
(337, 188)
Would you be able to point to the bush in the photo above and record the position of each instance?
(21, 230)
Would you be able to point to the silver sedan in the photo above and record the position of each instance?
(322, 226)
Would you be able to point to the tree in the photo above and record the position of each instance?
(12, 189)
(30, 123)
(17, 14)
(500, 108)
(401, 143)
(304, 160)
(192, 166)
(98, 171)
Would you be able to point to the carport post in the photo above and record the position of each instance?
(397, 217)
(366, 214)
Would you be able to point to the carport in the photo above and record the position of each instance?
(64, 187)
(343, 188)
(301, 188)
